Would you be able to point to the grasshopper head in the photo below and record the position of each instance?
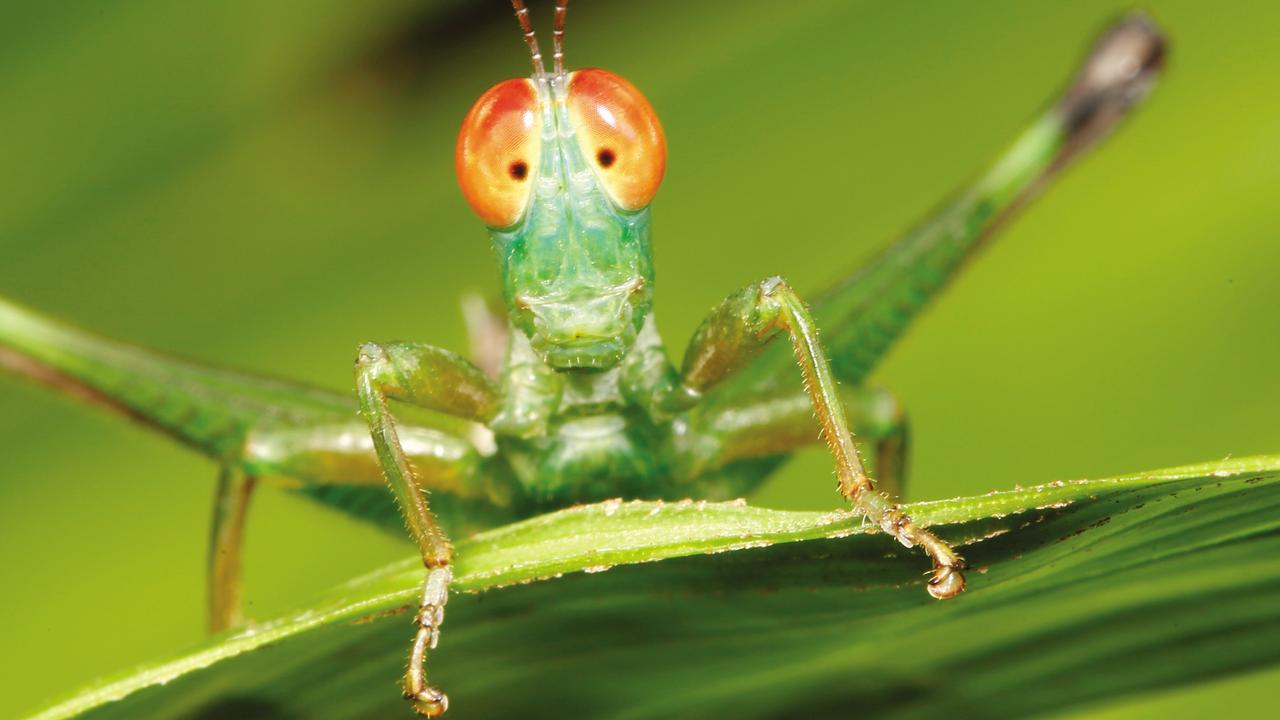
(562, 169)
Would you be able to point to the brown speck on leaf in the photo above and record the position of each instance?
(366, 619)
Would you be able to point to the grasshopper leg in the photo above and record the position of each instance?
(886, 429)
(880, 426)
(736, 332)
(444, 459)
(438, 380)
(780, 421)
(226, 547)
(323, 453)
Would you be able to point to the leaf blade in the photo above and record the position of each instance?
(762, 612)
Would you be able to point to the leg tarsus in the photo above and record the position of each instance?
(226, 548)
(428, 701)
(947, 579)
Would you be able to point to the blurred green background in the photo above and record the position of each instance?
(266, 184)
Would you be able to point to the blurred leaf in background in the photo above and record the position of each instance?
(255, 184)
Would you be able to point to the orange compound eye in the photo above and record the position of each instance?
(497, 154)
(619, 134)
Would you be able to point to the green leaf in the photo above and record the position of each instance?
(1080, 591)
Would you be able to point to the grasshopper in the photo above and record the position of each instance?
(570, 396)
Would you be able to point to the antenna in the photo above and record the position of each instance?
(522, 14)
(562, 7)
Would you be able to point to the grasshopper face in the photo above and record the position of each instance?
(562, 169)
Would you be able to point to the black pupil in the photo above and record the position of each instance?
(519, 169)
(605, 157)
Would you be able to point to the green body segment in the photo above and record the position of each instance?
(593, 438)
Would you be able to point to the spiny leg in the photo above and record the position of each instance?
(734, 334)
(226, 548)
(438, 380)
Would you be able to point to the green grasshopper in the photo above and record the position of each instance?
(571, 397)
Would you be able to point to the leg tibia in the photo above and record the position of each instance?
(881, 425)
(226, 548)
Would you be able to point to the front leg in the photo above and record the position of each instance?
(735, 333)
(437, 380)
